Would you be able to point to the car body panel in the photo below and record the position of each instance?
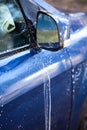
(78, 54)
(37, 85)
(29, 74)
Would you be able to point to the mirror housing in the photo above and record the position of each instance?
(48, 32)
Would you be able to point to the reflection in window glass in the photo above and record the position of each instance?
(13, 31)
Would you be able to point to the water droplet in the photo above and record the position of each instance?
(11, 120)
(2, 105)
(61, 56)
(73, 82)
(73, 90)
(0, 97)
(1, 111)
(1, 125)
(50, 60)
(73, 76)
(73, 70)
(64, 60)
(47, 100)
(68, 91)
(20, 126)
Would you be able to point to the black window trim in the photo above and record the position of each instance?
(8, 53)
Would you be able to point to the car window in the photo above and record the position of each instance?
(13, 30)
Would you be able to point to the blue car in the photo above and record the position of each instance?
(43, 67)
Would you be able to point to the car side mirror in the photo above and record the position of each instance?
(48, 34)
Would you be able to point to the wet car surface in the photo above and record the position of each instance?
(43, 82)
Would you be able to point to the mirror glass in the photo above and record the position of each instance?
(47, 31)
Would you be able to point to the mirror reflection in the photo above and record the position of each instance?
(47, 31)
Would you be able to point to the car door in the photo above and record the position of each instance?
(35, 88)
(79, 61)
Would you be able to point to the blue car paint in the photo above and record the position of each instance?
(22, 80)
(77, 21)
(78, 54)
(28, 76)
(17, 81)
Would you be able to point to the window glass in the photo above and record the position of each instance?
(13, 30)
